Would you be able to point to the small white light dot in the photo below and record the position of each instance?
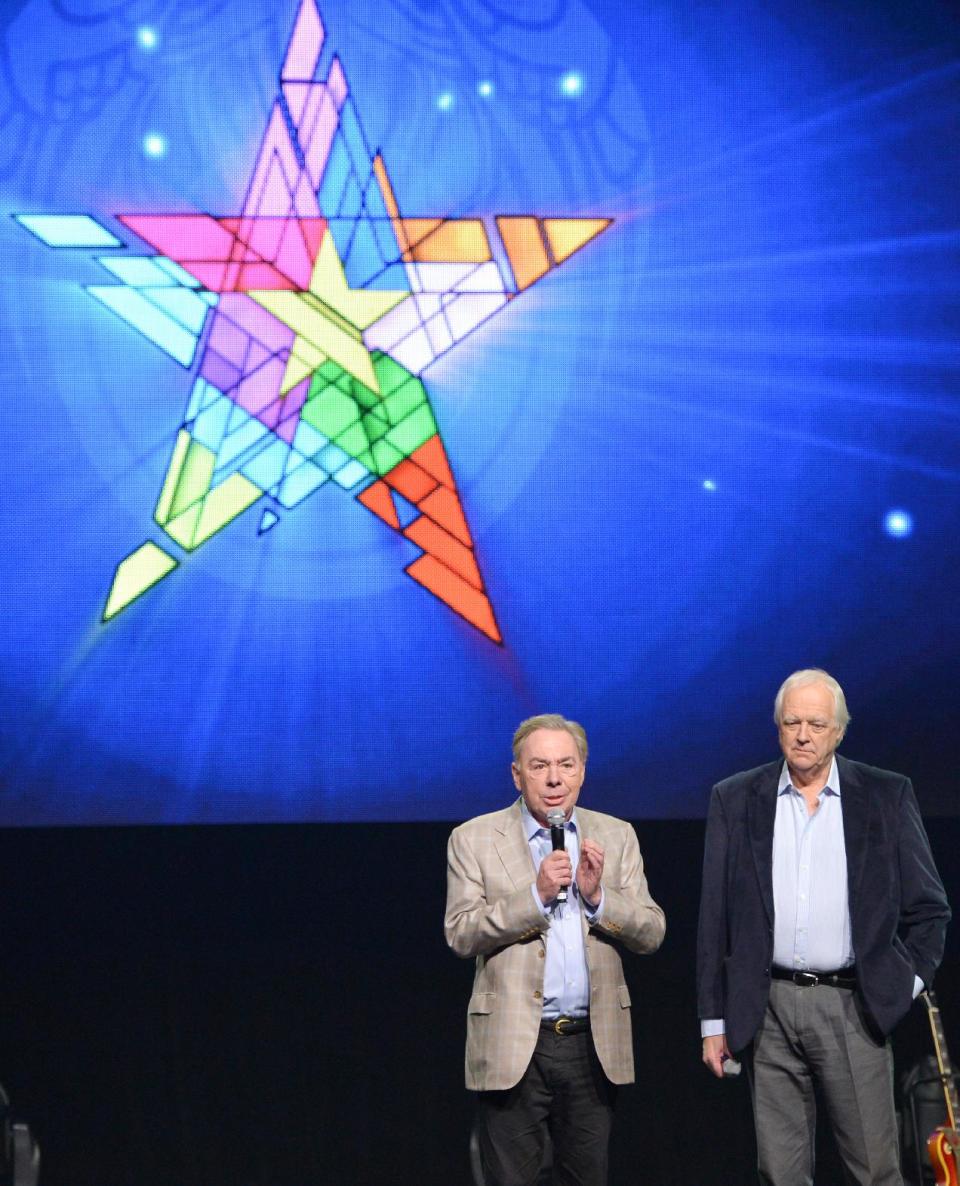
(154, 145)
(147, 38)
(709, 484)
(572, 84)
(898, 524)
(445, 101)
(485, 89)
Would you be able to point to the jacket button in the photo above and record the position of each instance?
(542, 953)
(537, 995)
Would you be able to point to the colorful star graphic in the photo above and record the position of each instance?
(313, 315)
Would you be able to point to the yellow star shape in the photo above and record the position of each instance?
(328, 319)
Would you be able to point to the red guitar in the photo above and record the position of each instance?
(943, 1144)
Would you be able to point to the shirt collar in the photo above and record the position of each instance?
(832, 784)
(531, 826)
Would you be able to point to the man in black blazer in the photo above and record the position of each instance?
(822, 917)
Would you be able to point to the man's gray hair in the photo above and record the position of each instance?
(803, 679)
(549, 720)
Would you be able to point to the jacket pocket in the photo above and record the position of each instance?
(482, 1002)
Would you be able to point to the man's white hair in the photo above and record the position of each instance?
(803, 679)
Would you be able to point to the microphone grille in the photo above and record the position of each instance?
(556, 818)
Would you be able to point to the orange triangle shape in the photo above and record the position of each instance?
(452, 590)
(377, 498)
(432, 457)
(443, 506)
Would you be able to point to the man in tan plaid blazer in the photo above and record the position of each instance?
(548, 1023)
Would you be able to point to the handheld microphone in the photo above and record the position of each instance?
(556, 820)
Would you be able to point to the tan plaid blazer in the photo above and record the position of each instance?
(491, 915)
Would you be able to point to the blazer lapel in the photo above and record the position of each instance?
(512, 847)
(761, 811)
(855, 808)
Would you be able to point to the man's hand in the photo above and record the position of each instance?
(589, 871)
(556, 871)
(715, 1053)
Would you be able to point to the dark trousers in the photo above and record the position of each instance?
(563, 1092)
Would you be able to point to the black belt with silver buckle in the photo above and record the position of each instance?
(565, 1026)
(841, 978)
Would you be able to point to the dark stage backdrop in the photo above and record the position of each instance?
(275, 1006)
(376, 374)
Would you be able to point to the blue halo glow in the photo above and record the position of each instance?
(709, 485)
(485, 89)
(154, 144)
(147, 38)
(445, 101)
(898, 524)
(571, 84)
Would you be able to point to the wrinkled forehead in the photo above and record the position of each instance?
(814, 699)
(551, 745)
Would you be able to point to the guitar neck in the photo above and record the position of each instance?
(943, 1059)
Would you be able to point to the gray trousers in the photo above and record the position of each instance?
(817, 1036)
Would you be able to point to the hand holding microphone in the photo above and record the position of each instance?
(556, 819)
(556, 871)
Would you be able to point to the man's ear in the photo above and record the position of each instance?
(515, 771)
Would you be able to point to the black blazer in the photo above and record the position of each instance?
(898, 908)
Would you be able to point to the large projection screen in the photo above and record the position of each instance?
(376, 375)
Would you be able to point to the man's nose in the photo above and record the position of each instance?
(553, 776)
(803, 731)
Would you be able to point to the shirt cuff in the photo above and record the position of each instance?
(593, 916)
(711, 1027)
(544, 910)
(917, 987)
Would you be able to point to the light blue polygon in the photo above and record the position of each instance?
(202, 395)
(139, 271)
(266, 468)
(374, 205)
(210, 426)
(335, 178)
(241, 443)
(343, 230)
(363, 260)
(356, 142)
(389, 247)
(392, 279)
(181, 303)
(152, 322)
(300, 484)
(176, 272)
(332, 458)
(68, 230)
(267, 520)
(308, 441)
(352, 201)
(351, 474)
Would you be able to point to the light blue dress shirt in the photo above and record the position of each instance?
(566, 980)
(811, 909)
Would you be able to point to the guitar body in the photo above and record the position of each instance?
(942, 1147)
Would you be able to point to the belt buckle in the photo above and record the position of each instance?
(559, 1024)
(806, 979)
